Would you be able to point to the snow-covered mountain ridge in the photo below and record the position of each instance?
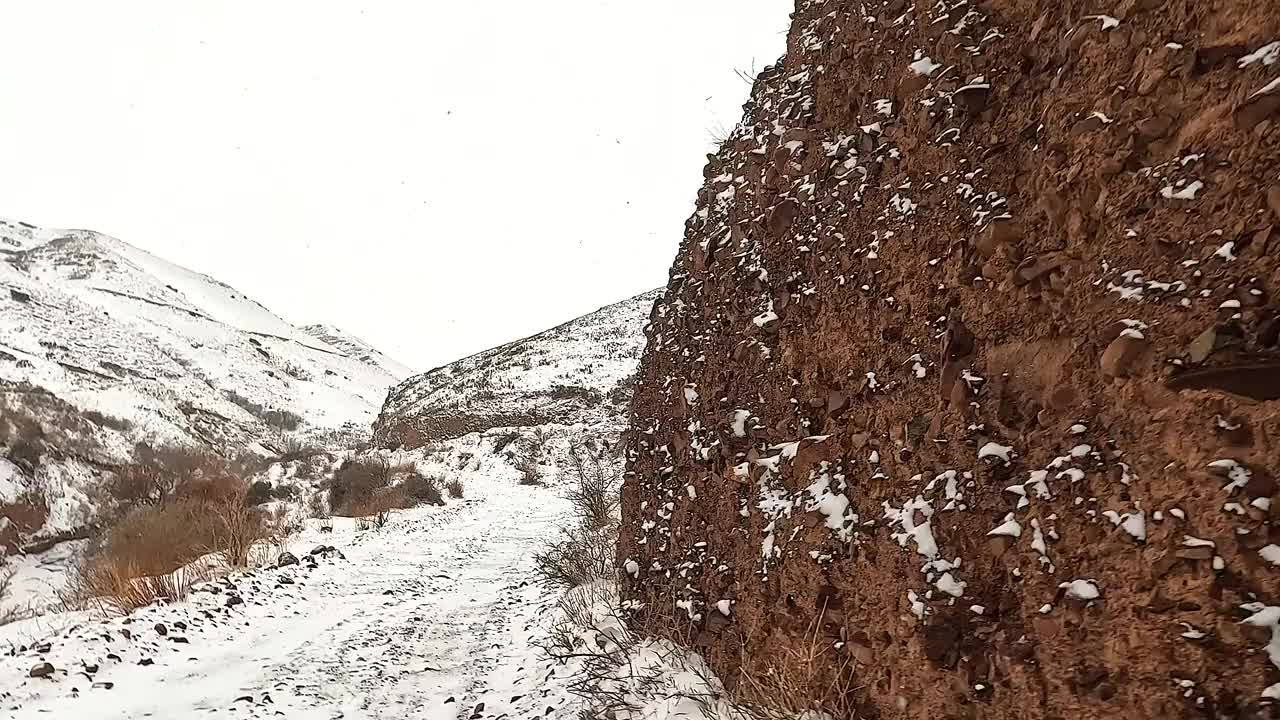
(579, 371)
(158, 354)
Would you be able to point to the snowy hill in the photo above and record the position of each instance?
(576, 372)
(157, 353)
(354, 347)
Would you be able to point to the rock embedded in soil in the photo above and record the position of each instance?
(43, 670)
(1067, 224)
(1118, 359)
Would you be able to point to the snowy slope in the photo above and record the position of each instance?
(123, 330)
(176, 356)
(354, 347)
(577, 372)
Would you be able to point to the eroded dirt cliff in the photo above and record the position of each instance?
(964, 390)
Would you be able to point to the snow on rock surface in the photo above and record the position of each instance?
(1018, 261)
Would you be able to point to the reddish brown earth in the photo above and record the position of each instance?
(1061, 247)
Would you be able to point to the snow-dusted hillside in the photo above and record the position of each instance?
(354, 347)
(91, 324)
(577, 372)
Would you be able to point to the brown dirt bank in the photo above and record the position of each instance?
(966, 377)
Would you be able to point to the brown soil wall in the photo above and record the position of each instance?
(962, 400)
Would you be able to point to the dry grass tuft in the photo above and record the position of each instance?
(454, 487)
(168, 523)
(802, 680)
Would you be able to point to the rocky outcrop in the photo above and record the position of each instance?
(961, 401)
(580, 371)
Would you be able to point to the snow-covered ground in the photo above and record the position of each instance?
(436, 615)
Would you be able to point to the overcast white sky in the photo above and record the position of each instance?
(435, 177)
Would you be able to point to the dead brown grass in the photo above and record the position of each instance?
(109, 585)
(801, 680)
(170, 522)
(455, 488)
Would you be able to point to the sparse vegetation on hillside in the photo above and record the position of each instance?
(277, 418)
(34, 423)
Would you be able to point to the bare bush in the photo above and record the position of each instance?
(581, 555)
(419, 489)
(356, 482)
(278, 418)
(34, 423)
(318, 506)
(620, 673)
(454, 487)
(163, 517)
(375, 512)
(12, 613)
(263, 491)
(504, 439)
(295, 370)
(297, 449)
(594, 493)
(114, 587)
(804, 680)
(530, 473)
(23, 515)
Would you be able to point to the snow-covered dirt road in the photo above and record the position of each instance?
(434, 616)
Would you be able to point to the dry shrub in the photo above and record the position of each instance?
(108, 421)
(318, 506)
(581, 555)
(25, 515)
(375, 512)
(530, 473)
(620, 673)
(454, 487)
(420, 489)
(164, 474)
(163, 515)
(140, 485)
(12, 613)
(154, 540)
(803, 680)
(594, 493)
(112, 587)
(356, 482)
(277, 418)
(35, 423)
(262, 492)
(236, 529)
(503, 439)
(297, 449)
